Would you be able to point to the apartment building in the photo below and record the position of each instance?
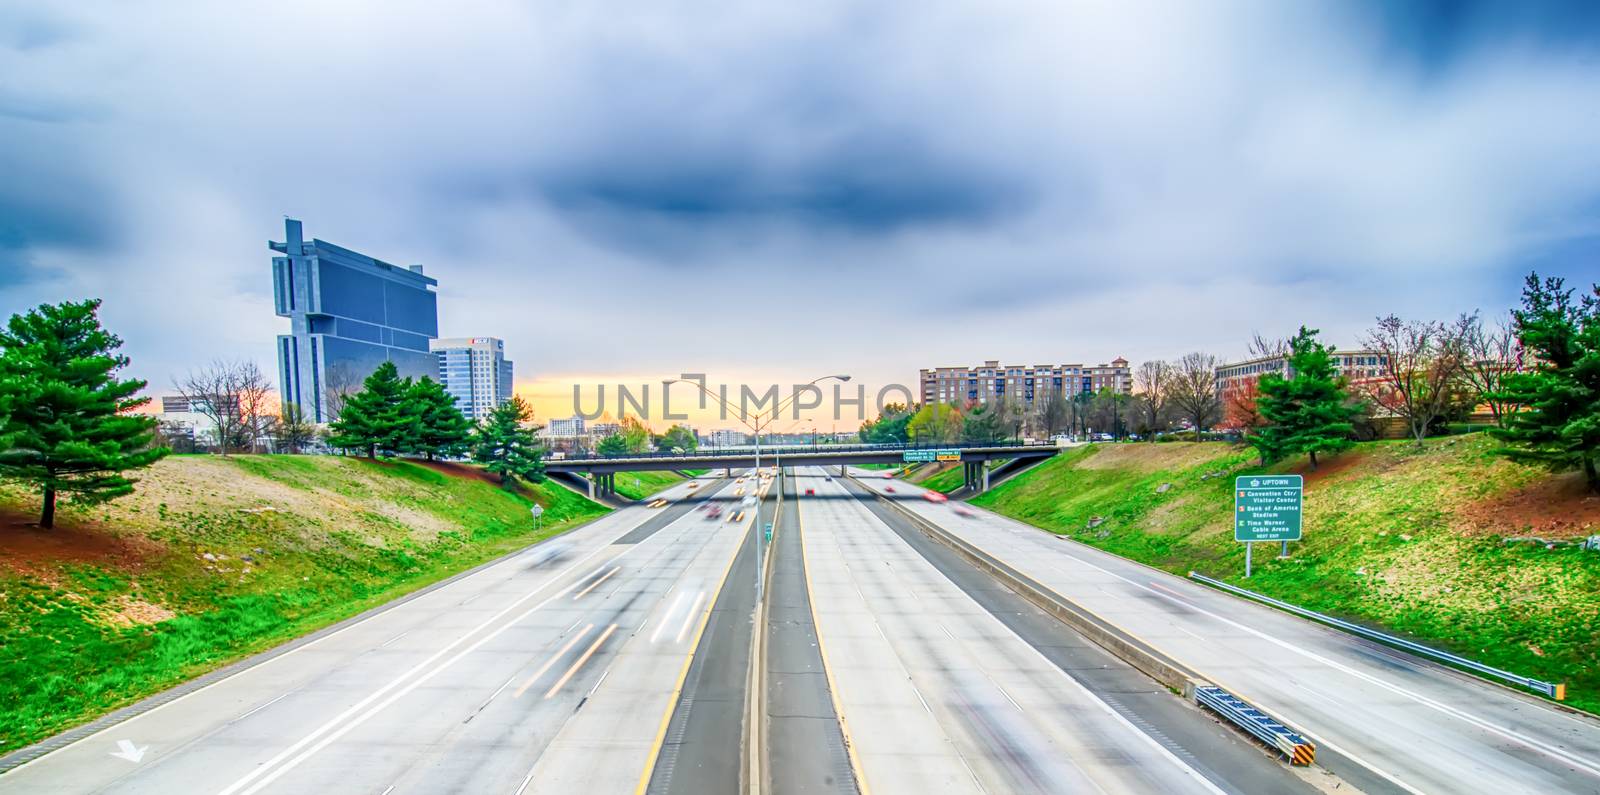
(993, 381)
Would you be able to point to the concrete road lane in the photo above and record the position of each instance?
(461, 689)
(938, 695)
(1413, 726)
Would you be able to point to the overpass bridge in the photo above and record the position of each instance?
(974, 457)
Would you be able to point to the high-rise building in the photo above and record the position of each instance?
(569, 426)
(348, 313)
(475, 371)
(993, 381)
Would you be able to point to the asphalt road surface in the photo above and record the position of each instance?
(939, 695)
(552, 671)
(1393, 721)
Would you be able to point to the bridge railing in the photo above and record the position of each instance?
(803, 448)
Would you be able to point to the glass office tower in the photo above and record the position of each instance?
(347, 313)
(476, 372)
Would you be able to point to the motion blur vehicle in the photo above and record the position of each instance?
(713, 511)
(810, 492)
(934, 496)
(548, 552)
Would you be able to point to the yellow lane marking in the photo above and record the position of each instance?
(581, 660)
(552, 661)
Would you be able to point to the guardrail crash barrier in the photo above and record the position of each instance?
(1264, 727)
(1555, 690)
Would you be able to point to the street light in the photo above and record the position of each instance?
(757, 427)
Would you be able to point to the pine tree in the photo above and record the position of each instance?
(1307, 411)
(67, 429)
(378, 419)
(1559, 426)
(443, 431)
(506, 447)
(612, 445)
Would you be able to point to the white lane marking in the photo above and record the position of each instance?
(386, 643)
(591, 528)
(389, 790)
(689, 616)
(1190, 634)
(262, 707)
(469, 599)
(552, 661)
(598, 682)
(396, 682)
(671, 611)
(595, 584)
(1322, 741)
(580, 662)
(527, 780)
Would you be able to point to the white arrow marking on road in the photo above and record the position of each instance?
(129, 751)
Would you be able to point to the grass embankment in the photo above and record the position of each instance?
(1399, 537)
(213, 559)
(639, 485)
(945, 480)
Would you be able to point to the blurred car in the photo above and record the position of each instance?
(888, 475)
(811, 492)
(889, 489)
(962, 510)
(934, 496)
(713, 511)
(548, 552)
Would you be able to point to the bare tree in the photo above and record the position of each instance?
(237, 400)
(293, 433)
(1054, 412)
(1193, 389)
(1491, 355)
(1421, 363)
(1261, 347)
(1153, 383)
(339, 383)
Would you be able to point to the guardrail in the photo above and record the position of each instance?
(1555, 690)
(1264, 727)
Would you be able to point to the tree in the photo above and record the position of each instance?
(66, 426)
(1306, 409)
(376, 419)
(1559, 426)
(1054, 412)
(442, 431)
(612, 445)
(1193, 389)
(983, 423)
(677, 437)
(1421, 363)
(1153, 382)
(340, 382)
(237, 400)
(1491, 355)
(506, 445)
(636, 434)
(1240, 408)
(935, 423)
(293, 433)
(890, 426)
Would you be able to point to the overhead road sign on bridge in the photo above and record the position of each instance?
(929, 456)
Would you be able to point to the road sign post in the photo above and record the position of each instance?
(1267, 508)
(538, 516)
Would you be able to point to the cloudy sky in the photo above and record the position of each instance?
(774, 191)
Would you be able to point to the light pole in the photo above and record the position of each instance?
(757, 428)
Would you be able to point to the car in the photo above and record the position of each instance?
(934, 496)
(888, 475)
(713, 511)
(889, 489)
(963, 511)
(810, 492)
(828, 478)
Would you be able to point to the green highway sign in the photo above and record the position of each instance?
(1267, 507)
(929, 456)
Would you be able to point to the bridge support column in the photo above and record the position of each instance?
(611, 484)
(592, 478)
(985, 466)
(841, 470)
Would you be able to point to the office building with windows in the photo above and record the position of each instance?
(475, 371)
(1359, 367)
(348, 313)
(993, 381)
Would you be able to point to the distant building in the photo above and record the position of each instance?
(725, 438)
(475, 371)
(1358, 366)
(993, 381)
(601, 430)
(570, 426)
(348, 313)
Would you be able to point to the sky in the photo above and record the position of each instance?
(767, 193)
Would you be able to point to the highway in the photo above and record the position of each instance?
(939, 694)
(1383, 720)
(554, 670)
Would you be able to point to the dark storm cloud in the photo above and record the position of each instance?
(1037, 180)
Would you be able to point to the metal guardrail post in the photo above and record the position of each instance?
(1262, 726)
(1555, 690)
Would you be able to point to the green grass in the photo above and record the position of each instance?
(945, 481)
(639, 485)
(345, 535)
(1391, 540)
